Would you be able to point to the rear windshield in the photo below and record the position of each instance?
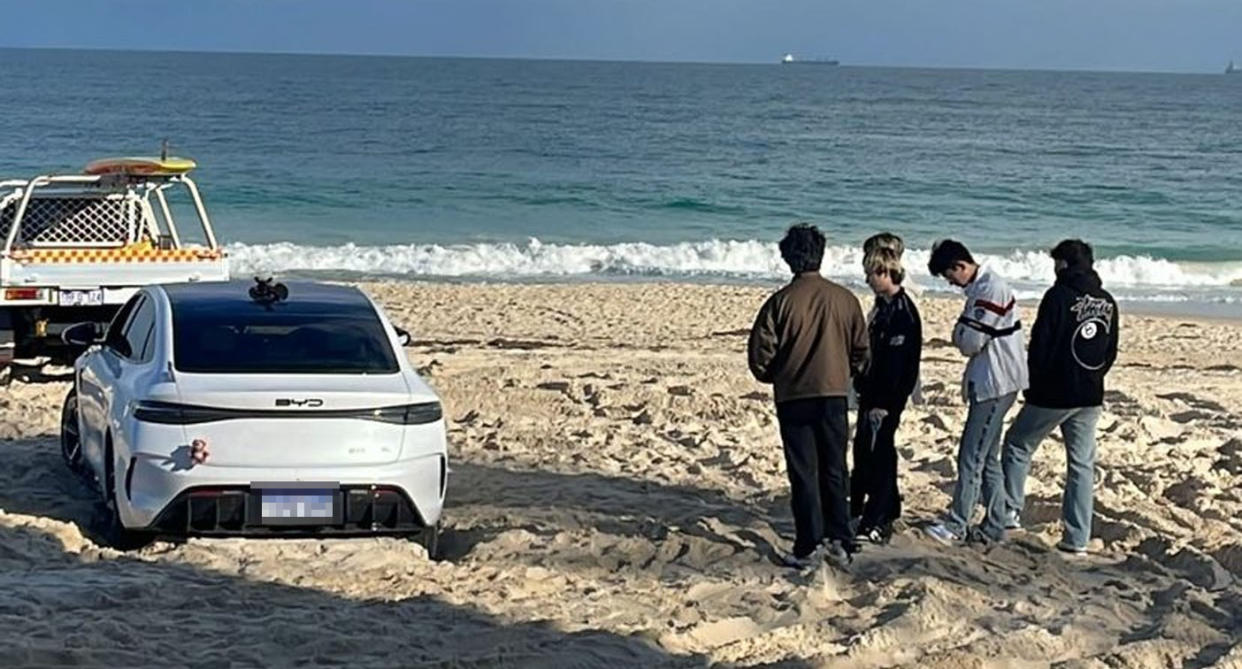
(283, 338)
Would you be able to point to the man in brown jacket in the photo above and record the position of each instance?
(810, 337)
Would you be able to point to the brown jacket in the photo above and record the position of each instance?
(810, 337)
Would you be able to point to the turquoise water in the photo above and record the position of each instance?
(418, 167)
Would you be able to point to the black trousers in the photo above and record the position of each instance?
(815, 432)
(874, 495)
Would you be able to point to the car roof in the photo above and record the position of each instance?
(232, 294)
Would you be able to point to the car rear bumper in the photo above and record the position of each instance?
(236, 510)
(396, 497)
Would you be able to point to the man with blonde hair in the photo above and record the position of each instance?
(895, 334)
(888, 240)
(884, 240)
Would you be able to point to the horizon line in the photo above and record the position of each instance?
(566, 59)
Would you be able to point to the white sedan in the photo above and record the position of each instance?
(240, 408)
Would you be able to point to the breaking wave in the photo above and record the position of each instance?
(726, 259)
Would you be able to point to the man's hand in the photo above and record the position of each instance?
(877, 415)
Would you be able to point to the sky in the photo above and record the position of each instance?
(1144, 35)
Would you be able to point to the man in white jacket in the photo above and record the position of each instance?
(989, 333)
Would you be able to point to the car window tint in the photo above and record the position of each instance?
(293, 337)
(148, 348)
(138, 328)
(116, 328)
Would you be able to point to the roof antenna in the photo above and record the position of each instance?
(164, 149)
(266, 293)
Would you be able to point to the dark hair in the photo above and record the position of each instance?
(884, 240)
(1076, 253)
(803, 248)
(945, 254)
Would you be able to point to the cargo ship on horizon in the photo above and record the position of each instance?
(790, 60)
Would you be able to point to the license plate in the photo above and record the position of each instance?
(81, 298)
(297, 505)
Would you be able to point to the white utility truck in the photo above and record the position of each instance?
(74, 248)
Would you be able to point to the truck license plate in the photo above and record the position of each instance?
(81, 298)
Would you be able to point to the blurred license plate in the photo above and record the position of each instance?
(81, 298)
(297, 504)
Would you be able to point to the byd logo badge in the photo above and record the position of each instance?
(308, 403)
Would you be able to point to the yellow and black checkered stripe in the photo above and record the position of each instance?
(127, 254)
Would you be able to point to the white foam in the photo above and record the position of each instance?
(1028, 270)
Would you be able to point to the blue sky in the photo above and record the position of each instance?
(1162, 35)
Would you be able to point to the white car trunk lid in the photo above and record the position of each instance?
(295, 420)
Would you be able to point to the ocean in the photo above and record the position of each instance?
(342, 166)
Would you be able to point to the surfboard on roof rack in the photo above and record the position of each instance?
(141, 166)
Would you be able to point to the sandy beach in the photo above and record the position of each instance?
(617, 497)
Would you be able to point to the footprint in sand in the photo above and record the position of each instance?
(1162, 431)
(1189, 562)
(1194, 402)
(936, 422)
(1231, 457)
(942, 466)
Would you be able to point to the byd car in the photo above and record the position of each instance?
(253, 408)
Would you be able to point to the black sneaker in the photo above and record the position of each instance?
(839, 554)
(976, 535)
(878, 535)
(800, 562)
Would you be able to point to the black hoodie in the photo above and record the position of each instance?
(1073, 343)
(896, 334)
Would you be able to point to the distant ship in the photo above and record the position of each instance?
(790, 60)
(1228, 70)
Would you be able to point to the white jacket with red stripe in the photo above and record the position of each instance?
(990, 334)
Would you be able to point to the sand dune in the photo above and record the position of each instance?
(617, 498)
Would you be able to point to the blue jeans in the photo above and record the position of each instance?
(979, 470)
(1031, 427)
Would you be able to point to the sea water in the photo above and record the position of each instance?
(344, 166)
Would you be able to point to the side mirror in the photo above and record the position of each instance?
(81, 334)
(403, 336)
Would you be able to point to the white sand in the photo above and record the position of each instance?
(617, 495)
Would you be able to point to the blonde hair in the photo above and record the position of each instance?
(887, 261)
(884, 240)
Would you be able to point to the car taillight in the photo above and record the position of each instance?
(410, 414)
(167, 413)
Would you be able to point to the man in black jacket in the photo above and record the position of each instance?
(896, 342)
(1073, 345)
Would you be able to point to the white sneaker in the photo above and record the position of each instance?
(1013, 521)
(942, 534)
(1071, 550)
